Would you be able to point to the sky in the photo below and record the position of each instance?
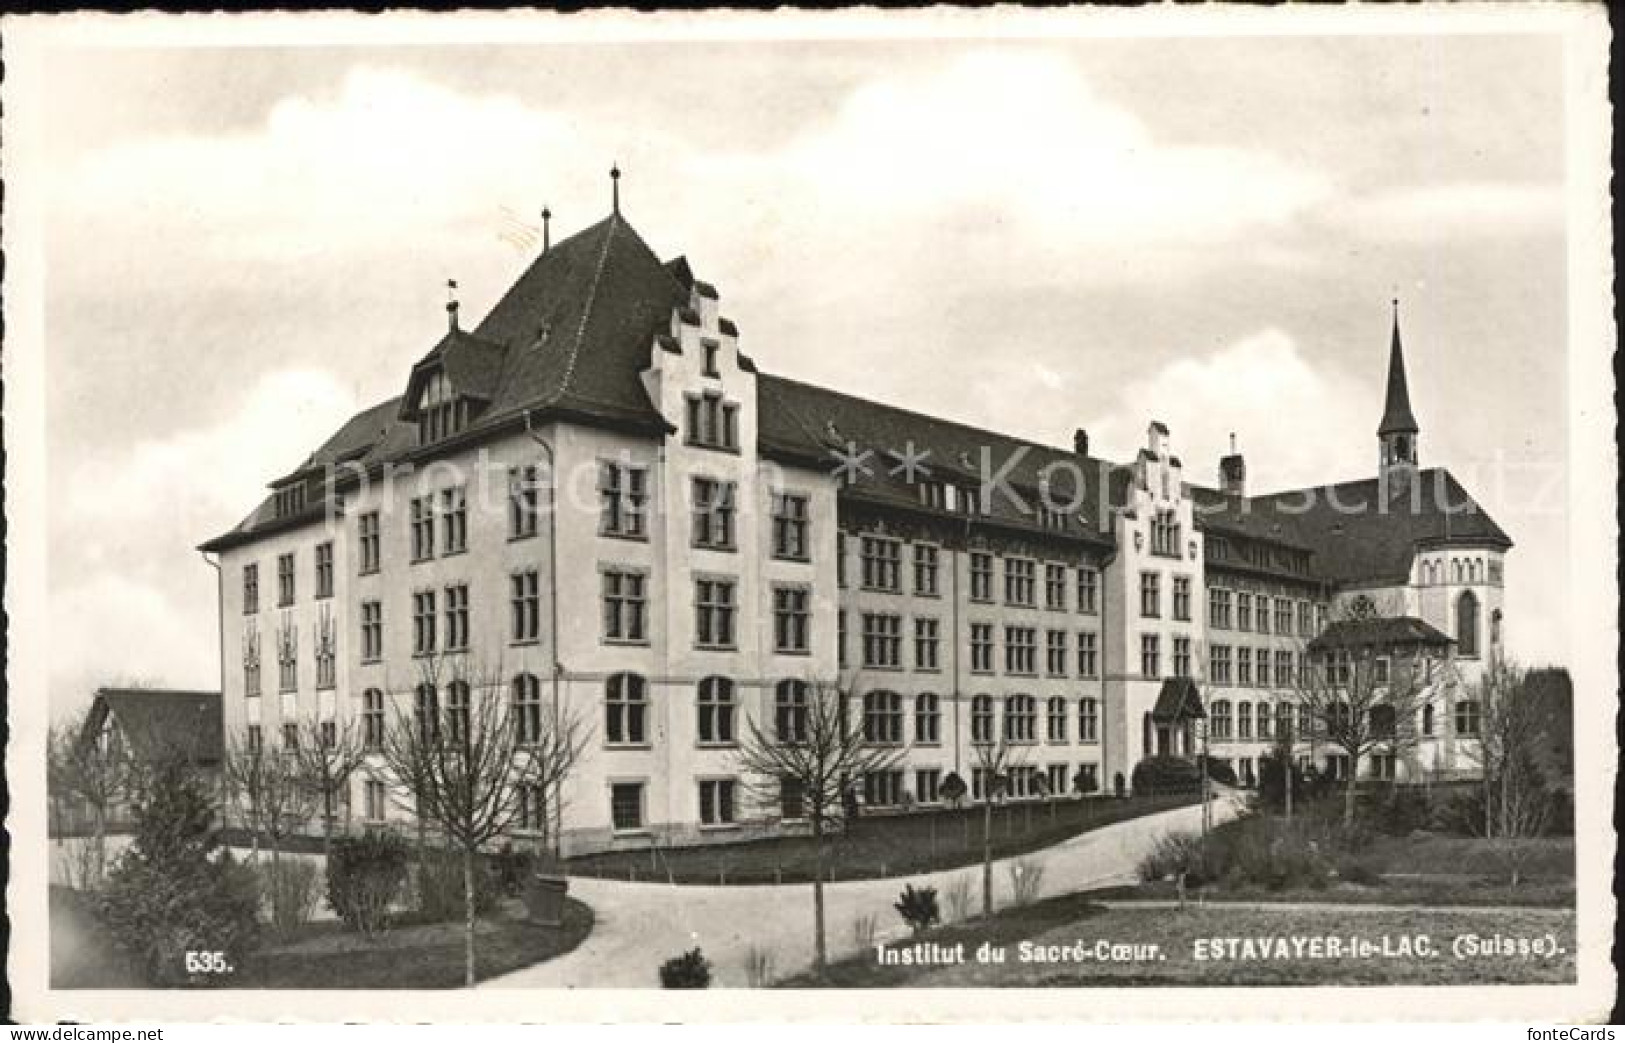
(246, 245)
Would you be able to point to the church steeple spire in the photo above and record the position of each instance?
(1396, 434)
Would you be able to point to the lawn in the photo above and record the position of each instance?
(876, 846)
(325, 956)
(1176, 947)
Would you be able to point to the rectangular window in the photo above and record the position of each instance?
(1218, 664)
(626, 704)
(713, 514)
(1150, 595)
(1244, 667)
(367, 537)
(1263, 668)
(1088, 654)
(882, 789)
(1088, 591)
(1020, 582)
(251, 589)
(712, 422)
(626, 605)
(324, 569)
(1283, 617)
(290, 736)
(626, 806)
(284, 579)
(623, 496)
(840, 560)
(422, 528)
(256, 738)
(326, 663)
(925, 570)
(981, 648)
(792, 620)
(1165, 534)
(1054, 587)
(1055, 656)
(423, 622)
(1055, 720)
(1283, 669)
(251, 663)
(927, 719)
(1218, 608)
(840, 639)
(523, 502)
(1088, 720)
(882, 641)
(981, 576)
(374, 801)
(457, 618)
(1182, 597)
(1244, 611)
(789, 527)
(716, 802)
(524, 606)
(1021, 650)
(927, 643)
(1306, 619)
(454, 520)
(928, 785)
(1262, 609)
(883, 718)
(1182, 657)
(372, 719)
(882, 564)
(714, 610)
(1150, 655)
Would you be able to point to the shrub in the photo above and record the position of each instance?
(289, 887)
(1026, 879)
(440, 886)
(1166, 775)
(688, 971)
(173, 890)
(953, 788)
(365, 875)
(511, 869)
(1173, 855)
(1406, 810)
(1084, 782)
(1219, 769)
(959, 896)
(1268, 853)
(918, 908)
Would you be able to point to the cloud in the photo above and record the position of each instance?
(1440, 213)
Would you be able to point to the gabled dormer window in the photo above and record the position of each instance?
(712, 422)
(441, 411)
(290, 500)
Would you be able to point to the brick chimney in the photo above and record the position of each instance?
(1233, 471)
(1080, 442)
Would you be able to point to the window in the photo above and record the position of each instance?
(790, 711)
(623, 494)
(881, 564)
(713, 514)
(1055, 653)
(883, 718)
(882, 789)
(840, 560)
(1264, 719)
(326, 654)
(1020, 718)
(792, 620)
(927, 719)
(457, 618)
(1182, 597)
(457, 711)
(1150, 595)
(324, 569)
(928, 785)
(1087, 780)
(290, 737)
(1306, 619)
(1379, 670)
(532, 813)
(454, 520)
(927, 643)
(789, 526)
(982, 784)
(1244, 611)
(290, 500)
(422, 528)
(981, 719)
(1383, 721)
(1055, 719)
(1244, 720)
(1165, 534)
(714, 613)
(1427, 719)
(251, 589)
(1244, 666)
(710, 347)
(1055, 780)
(792, 799)
(1088, 720)
(251, 663)
(925, 570)
(524, 606)
(1283, 617)
(368, 539)
(441, 413)
(1150, 655)
(840, 638)
(1054, 586)
(981, 576)
(1283, 669)
(625, 605)
(1087, 653)
(284, 579)
(1022, 781)
(1263, 676)
(626, 806)
(1467, 624)
(1020, 584)
(523, 502)
(1218, 608)
(256, 738)
(716, 802)
(1020, 650)
(882, 640)
(287, 659)
(372, 719)
(1182, 657)
(981, 648)
(426, 712)
(527, 709)
(374, 801)
(626, 705)
(1262, 614)
(712, 422)
(1468, 718)
(1219, 720)
(716, 705)
(933, 494)
(1088, 591)
(1218, 665)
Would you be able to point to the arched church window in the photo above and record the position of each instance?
(1467, 624)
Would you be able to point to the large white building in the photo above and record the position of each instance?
(722, 537)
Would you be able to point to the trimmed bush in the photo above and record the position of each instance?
(289, 886)
(365, 875)
(688, 971)
(440, 887)
(918, 908)
(1166, 775)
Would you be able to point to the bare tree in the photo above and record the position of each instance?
(92, 769)
(462, 761)
(806, 761)
(1513, 729)
(328, 756)
(272, 790)
(994, 759)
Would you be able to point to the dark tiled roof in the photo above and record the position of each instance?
(155, 722)
(1378, 632)
(1178, 700)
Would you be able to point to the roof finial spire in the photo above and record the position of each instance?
(1232, 443)
(547, 232)
(451, 303)
(615, 186)
(1396, 415)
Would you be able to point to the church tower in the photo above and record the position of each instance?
(1397, 434)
